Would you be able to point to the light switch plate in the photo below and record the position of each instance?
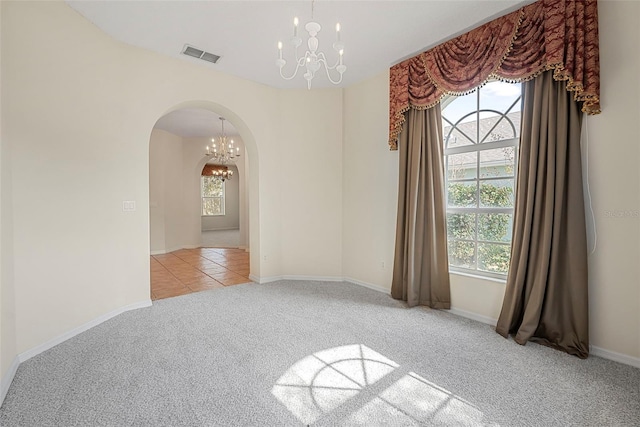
(129, 205)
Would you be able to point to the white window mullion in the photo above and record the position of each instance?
(496, 168)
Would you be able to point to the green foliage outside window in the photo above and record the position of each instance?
(212, 196)
(492, 227)
(212, 187)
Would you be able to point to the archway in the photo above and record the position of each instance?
(230, 227)
(190, 228)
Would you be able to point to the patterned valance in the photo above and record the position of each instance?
(208, 170)
(559, 35)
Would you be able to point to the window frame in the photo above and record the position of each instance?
(479, 147)
(221, 197)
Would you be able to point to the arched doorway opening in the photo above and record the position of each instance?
(180, 262)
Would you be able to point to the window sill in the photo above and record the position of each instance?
(478, 276)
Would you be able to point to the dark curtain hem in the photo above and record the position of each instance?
(546, 296)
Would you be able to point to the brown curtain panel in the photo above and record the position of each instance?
(546, 291)
(421, 267)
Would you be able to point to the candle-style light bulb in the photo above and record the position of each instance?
(338, 31)
(295, 26)
(280, 50)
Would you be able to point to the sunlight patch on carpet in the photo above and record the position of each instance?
(319, 383)
(323, 381)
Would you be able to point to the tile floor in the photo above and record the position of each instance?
(193, 270)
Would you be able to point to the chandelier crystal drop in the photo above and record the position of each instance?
(223, 150)
(312, 60)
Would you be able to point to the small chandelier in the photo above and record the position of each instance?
(312, 59)
(222, 173)
(226, 150)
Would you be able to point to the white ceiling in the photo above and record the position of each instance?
(377, 34)
(194, 123)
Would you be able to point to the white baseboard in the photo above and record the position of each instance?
(72, 333)
(263, 280)
(166, 251)
(316, 278)
(616, 357)
(6, 380)
(270, 279)
(473, 316)
(367, 285)
(177, 248)
(221, 229)
(594, 351)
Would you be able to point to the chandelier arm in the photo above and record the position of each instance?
(335, 82)
(323, 60)
(298, 59)
(299, 63)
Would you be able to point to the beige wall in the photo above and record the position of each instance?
(165, 192)
(614, 155)
(614, 175)
(243, 194)
(310, 181)
(370, 184)
(94, 114)
(73, 161)
(8, 349)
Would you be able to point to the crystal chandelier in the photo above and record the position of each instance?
(224, 151)
(312, 60)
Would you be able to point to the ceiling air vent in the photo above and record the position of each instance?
(200, 54)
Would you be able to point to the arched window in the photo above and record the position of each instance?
(481, 133)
